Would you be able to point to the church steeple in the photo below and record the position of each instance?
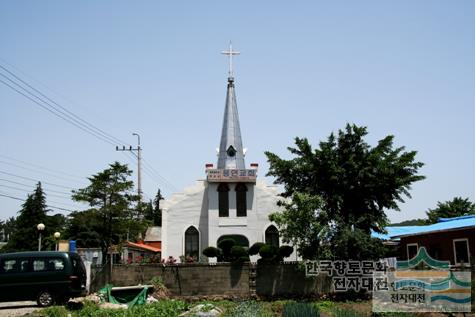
(231, 154)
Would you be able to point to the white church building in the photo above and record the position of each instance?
(230, 203)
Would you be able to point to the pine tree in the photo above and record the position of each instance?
(33, 212)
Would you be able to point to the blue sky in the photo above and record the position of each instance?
(405, 68)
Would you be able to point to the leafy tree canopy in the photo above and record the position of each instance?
(452, 208)
(344, 185)
(411, 222)
(112, 215)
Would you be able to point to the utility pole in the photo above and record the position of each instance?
(138, 149)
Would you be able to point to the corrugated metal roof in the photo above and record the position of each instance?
(444, 224)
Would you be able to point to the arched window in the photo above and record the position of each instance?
(241, 202)
(272, 236)
(223, 197)
(192, 242)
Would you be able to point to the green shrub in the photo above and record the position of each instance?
(293, 309)
(211, 252)
(225, 245)
(239, 254)
(254, 249)
(238, 251)
(285, 251)
(268, 252)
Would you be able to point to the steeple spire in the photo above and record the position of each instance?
(231, 154)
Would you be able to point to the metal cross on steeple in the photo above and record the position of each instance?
(230, 53)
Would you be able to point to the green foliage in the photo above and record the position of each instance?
(248, 309)
(211, 252)
(112, 207)
(163, 308)
(451, 208)
(85, 227)
(411, 222)
(353, 243)
(25, 234)
(268, 252)
(285, 251)
(300, 223)
(55, 311)
(345, 182)
(239, 254)
(294, 309)
(227, 251)
(238, 251)
(8, 227)
(225, 245)
(254, 249)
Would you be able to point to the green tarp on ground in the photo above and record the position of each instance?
(128, 297)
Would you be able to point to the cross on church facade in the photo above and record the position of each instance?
(230, 53)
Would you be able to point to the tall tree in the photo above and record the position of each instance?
(33, 212)
(357, 183)
(9, 228)
(111, 199)
(85, 228)
(458, 206)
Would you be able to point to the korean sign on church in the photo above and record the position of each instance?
(232, 175)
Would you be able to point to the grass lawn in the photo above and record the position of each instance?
(174, 308)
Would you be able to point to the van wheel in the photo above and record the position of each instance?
(45, 298)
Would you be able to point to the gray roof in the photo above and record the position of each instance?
(153, 234)
(231, 155)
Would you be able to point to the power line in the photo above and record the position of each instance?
(154, 171)
(29, 186)
(39, 166)
(35, 180)
(56, 114)
(70, 117)
(50, 206)
(64, 111)
(26, 191)
(36, 171)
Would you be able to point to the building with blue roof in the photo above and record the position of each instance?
(450, 239)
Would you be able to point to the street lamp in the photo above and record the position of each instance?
(40, 228)
(56, 237)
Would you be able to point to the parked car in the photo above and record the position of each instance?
(47, 277)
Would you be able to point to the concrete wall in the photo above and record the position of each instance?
(188, 280)
(282, 280)
(288, 280)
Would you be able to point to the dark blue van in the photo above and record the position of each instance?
(47, 277)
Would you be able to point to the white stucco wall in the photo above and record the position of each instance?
(198, 206)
